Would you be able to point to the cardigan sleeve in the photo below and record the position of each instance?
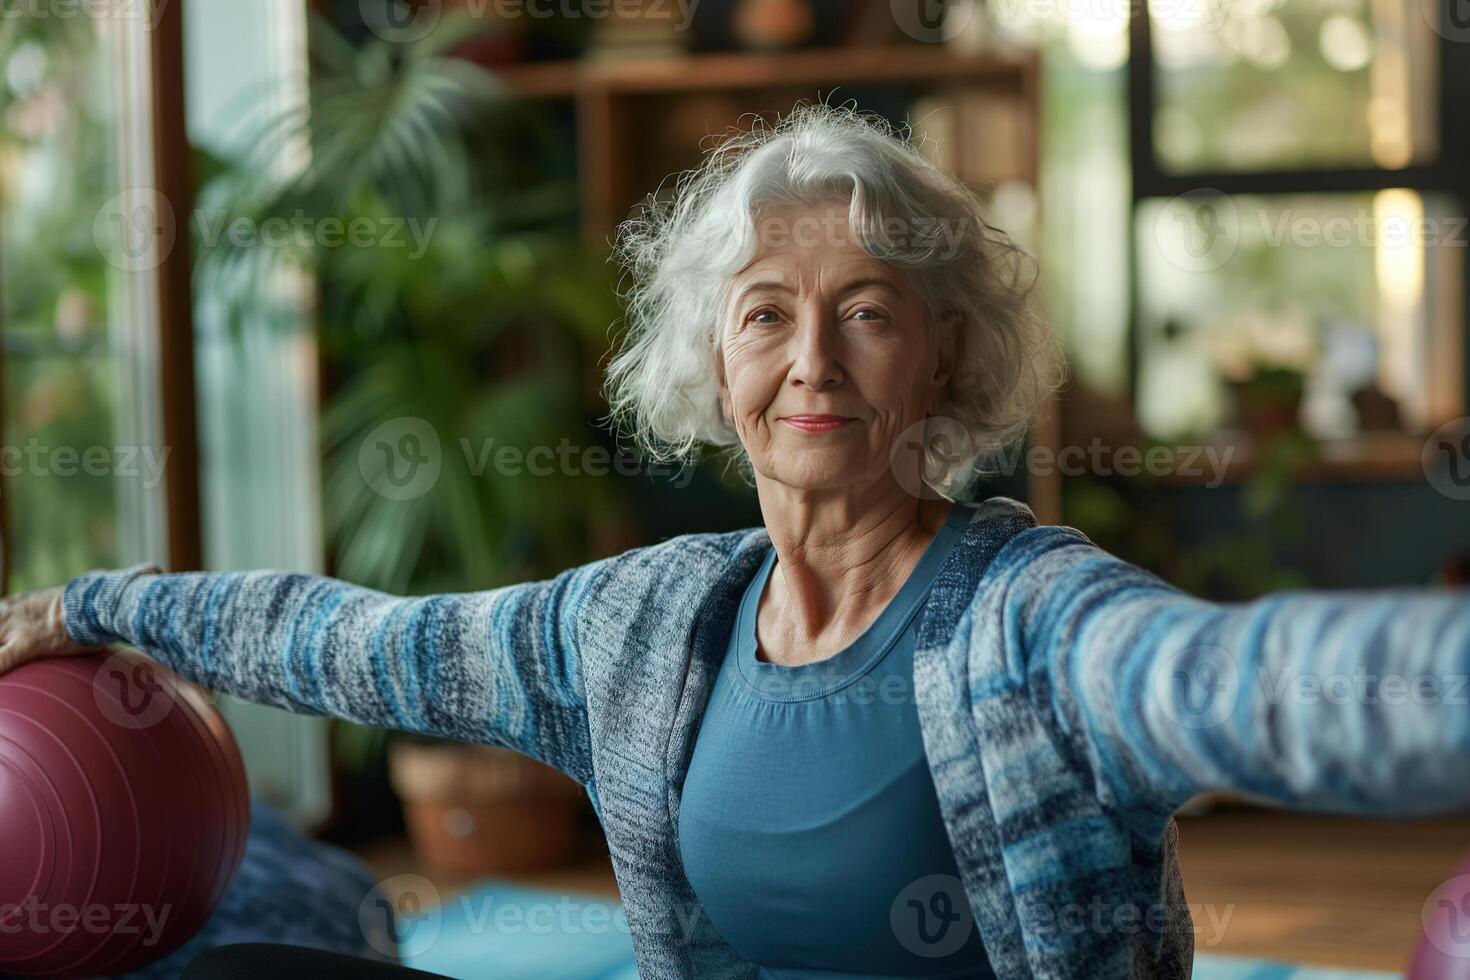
(498, 667)
(1334, 701)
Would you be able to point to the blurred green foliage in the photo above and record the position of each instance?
(60, 372)
(1129, 516)
(478, 310)
(487, 324)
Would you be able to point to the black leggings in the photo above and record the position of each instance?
(250, 961)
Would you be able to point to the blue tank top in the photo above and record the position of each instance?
(808, 823)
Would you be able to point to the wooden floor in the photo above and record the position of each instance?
(1323, 890)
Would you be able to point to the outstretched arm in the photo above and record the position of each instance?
(498, 667)
(1332, 701)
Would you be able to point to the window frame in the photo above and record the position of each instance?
(1448, 173)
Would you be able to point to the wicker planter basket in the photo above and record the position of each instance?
(480, 810)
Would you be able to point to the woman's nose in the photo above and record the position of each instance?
(816, 361)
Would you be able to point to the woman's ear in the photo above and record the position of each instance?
(722, 390)
(947, 347)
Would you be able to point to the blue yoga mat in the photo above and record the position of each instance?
(498, 931)
(1210, 966)
(506, 932)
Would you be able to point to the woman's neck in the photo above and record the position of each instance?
(839, 561)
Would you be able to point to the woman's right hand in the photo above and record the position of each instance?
(32, 628)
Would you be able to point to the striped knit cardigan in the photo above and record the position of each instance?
(1069, 703)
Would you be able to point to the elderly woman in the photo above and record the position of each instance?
(888, 733)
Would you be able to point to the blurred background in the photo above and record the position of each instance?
(256, 257)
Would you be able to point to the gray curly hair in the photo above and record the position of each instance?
(661, 384)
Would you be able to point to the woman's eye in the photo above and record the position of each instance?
(771, 315)
(868, 313)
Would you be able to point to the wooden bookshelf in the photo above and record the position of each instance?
(745, 71)
(610, 93)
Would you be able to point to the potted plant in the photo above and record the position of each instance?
(481, 810)
(1264, 357)
(1269, 402)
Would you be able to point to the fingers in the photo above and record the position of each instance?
(13, 655)
(32, 627)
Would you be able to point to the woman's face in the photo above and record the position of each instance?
(827, 355)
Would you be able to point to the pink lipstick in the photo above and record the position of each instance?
(816, 423)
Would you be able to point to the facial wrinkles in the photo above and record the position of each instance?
(758, 372)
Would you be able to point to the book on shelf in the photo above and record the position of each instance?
(870, 23)
(981, 137)
(641, 32)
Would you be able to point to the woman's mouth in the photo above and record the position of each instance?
(816, 423)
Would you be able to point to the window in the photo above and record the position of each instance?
(1297, 219)
(87, 239)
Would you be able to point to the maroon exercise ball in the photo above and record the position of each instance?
(1444, 941)
(123, 814)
